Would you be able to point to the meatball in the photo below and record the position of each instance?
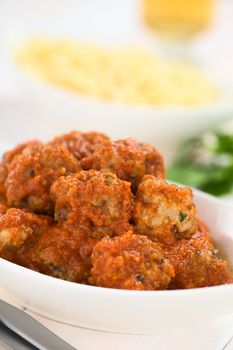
(130, 261)
(93, 199)
(9, 155)
(60, 252)
(31, 174)
(195, 262)
(3, 209)
(7, 158)
(3, 176)
(81, 145)
(18, 226)
(129, 160)
(163, 211)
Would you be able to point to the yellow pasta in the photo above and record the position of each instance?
(127, 75)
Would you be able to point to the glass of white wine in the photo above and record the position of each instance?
(178, 20)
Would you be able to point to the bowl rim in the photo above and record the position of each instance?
(122, 292)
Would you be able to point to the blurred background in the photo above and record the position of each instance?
(157, 70)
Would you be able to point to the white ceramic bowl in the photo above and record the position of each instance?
(128, 311)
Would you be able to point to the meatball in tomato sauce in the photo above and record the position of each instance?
(32, 173)
(195, 262)
(61, 252)
(130, 261)
(129, 160)
(8, 158)
(17, 227)
(163, 211)
(94, 199)
(81, 144)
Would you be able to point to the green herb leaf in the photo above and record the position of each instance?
(205, 163)
(182, 216)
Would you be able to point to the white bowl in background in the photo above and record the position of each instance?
(141, 312)
(32, 108)
(42, 111)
